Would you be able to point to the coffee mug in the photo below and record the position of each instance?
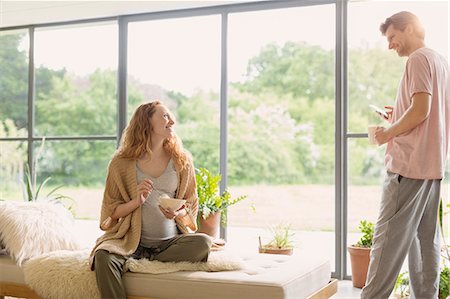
(371, 132)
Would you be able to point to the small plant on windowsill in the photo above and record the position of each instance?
(281, 242)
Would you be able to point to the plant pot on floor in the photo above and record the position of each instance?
(210, 225)
(360, 258)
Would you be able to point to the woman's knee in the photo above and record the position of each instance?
(101, 259)
(105, 260)
(203, 241)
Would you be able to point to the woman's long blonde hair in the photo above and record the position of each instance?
(136, 139)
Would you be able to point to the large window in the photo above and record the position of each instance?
(12, 157)
(14, 82)
(177, 61)
(13, 109)
(75, 109)
(76, 80)
(256, 80)
(281, 125)
(79, 167)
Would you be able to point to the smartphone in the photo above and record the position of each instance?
(379, 111)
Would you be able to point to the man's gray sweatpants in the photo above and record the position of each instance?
(407, 224)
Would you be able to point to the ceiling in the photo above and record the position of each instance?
(17, 13)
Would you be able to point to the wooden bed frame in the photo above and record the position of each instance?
(22, 291)
(16, 290)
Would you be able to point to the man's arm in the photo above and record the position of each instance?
(418, 111)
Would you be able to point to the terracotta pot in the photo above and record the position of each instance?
(360, 258)
(286, 251)
(210, 225)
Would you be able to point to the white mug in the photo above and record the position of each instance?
(371, 132)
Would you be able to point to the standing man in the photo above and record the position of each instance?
(417, 144)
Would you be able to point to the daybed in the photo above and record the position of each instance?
(265, 276)
(33, 240)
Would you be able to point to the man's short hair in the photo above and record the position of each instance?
(402, 19)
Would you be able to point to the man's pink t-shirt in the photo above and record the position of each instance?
(421, 153)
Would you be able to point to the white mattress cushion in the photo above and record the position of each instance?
(265, 276)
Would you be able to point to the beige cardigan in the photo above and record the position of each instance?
(123, 236)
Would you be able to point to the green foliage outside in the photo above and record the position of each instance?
(12, 154)
(13, 81)
(281, 126)
(367, 228)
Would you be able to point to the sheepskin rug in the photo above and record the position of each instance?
(30, 229)
(66, 274)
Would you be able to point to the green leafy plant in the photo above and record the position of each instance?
(402, 285)
(31, 191)
(282, 237)
(209, 199)
(367, 228)
(444, 281)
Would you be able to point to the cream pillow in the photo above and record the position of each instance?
(30, 229)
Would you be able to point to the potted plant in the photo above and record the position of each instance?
(212, 205)
(360, 254)
(281, 242)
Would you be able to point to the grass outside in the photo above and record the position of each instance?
(304, 207)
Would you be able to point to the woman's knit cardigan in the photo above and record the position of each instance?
(123, 236)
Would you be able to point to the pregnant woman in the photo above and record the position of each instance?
(149, 163)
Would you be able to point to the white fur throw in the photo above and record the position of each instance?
(30, 229)
(66, 274)
(217, 261)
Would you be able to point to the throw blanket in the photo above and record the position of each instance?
(66, 274)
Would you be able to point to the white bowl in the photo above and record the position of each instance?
(171, 204)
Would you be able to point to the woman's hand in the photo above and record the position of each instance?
(124, 209)
(181, 212)
(144, 190)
